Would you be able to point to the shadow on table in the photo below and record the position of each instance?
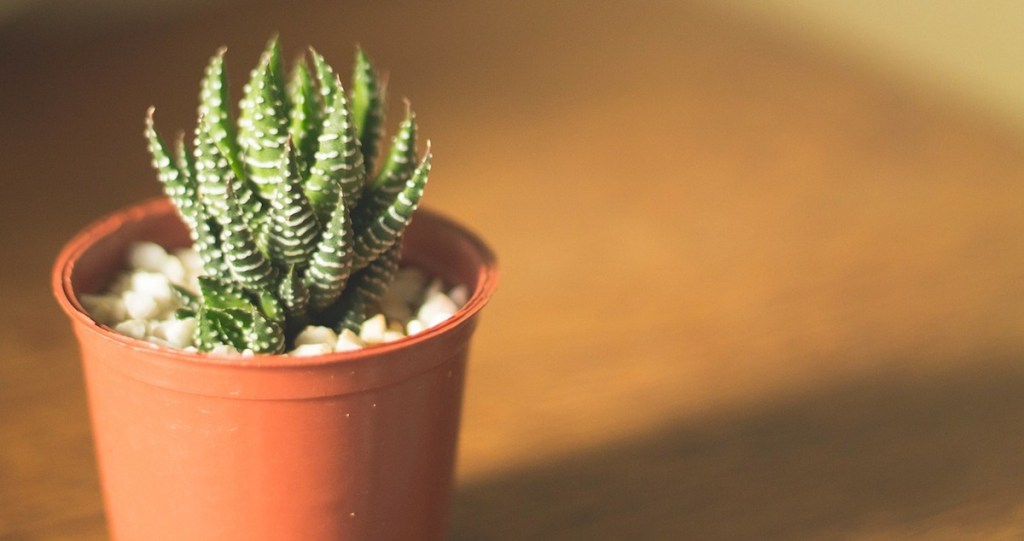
(896, 456)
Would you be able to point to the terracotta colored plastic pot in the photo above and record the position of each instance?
(357, 445)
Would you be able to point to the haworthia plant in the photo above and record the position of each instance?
(293, 223)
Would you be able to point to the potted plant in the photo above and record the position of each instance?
(295, 226)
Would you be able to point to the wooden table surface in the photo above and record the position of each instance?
(751, 290)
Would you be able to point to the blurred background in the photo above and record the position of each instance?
(762, 261)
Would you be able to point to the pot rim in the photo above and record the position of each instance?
(486, 282)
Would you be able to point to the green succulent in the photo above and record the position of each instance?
(292, 221)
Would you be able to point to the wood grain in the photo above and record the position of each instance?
(751, 290)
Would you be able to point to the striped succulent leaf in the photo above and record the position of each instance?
(263, 122)
(367, 109)
(401, 161)
(294, 295)
(373, 281)
(384, 230)
(213, 173)
(247, 264)
(220, 327)
(223, 316)
(177, 184)
(203, 229)
(331, 264)
(223, 294)
(263, 335)
(394, 174)
(201, 224)
(189, 301)
(187, 166)
(213, 106)
(270, 306)
(207, 242)
(305, 116)
(365, 289)
(293, 227)
(216, 178)
(349, 312)
(283, 211)
(326, 79)
(338, 171)
(229, 316)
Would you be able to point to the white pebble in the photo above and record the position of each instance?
(348, 341)
(436, 309)
(177, 332)
(459, 295)
(391, 336)
(309, 350)
(192, 262)
(107, 309)
(147, 256)
(135, 328)
(190, 258)
(224, 349)
(437, 318)
(154, 285)
(316, 335)
(175, 271)
(140, 305)
(414, 326)
(372, 330)
(436, 286)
